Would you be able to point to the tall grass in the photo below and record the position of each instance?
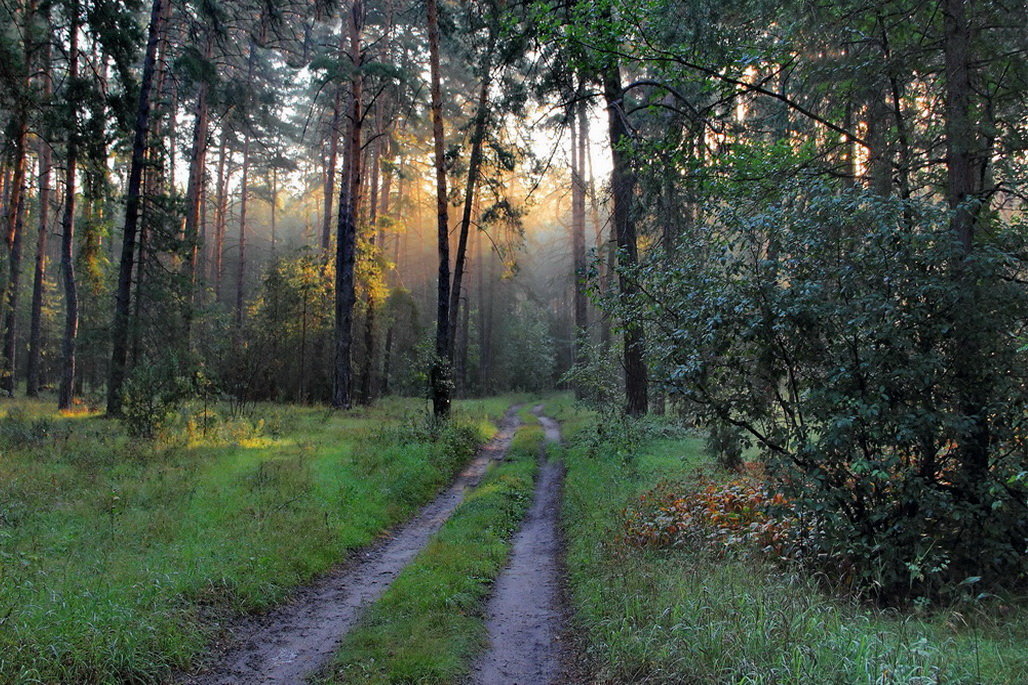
(684, 617)
(119, 559)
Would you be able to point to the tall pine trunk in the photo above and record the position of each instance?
(440, 374)
(622, 182)
(346, 240)
(244, 196)
(333, 155)
(71, 298)
(220, 221)
(964, 172)
(474, 171)
(194, 187)
(368, 372)
(39, 277)
(578, 227)
(120, 325)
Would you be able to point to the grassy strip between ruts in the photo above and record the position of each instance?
(428, 626)
(683, 617)
(118, 558)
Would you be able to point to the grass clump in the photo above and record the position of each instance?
(428, 626)
(120, 557)
(686, 615)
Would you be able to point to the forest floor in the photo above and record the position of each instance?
(122, 559)
(129, 561)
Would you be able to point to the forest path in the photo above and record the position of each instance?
(293, 641)
(524, 617)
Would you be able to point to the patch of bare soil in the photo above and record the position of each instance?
(293, 641)
(525, 618)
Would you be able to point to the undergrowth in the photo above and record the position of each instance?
(671, 613)
(119, 556)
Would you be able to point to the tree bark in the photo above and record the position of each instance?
(346, 240)
(330, 171)
(39, 278)
(220, 221)
(194, 186)
(440, 374)
(367, 374)
(71, 300)
(244, 195)
(622, 183)
(474, 170)
(964, 169)
(120, 326)
(7, 380)
(578, 135)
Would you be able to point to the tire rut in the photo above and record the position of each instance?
(524, 616)
(295, 640)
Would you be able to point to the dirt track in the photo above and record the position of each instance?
(298, 638)
(524, 616)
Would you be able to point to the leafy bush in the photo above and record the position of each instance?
(876, 366)
(741, 516)
(151, 394)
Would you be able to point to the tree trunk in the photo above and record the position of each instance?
(486, 290)
(367, 374)
(622, 182)
(120, 326)
(244, 195)
(330, 167)
(963, 173)
(11, 311)
(440, 376)
(474, 169)
(71, 298)
(194, 187)
(39, 278)
(603, 247)
(220, 221)
(346, 240)
(578, 229)
(16, 203)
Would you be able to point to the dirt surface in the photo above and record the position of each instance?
(524, 615)
(293, 641)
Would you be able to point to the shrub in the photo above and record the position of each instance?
(742, 516)
(150, 395)
(877, 367)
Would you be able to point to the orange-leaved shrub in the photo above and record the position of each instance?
(742, 516)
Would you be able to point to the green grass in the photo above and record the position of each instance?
(428, 626)
(118, 558)
(682, 617)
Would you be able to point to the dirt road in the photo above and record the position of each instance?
(524, 616)
(298, 638)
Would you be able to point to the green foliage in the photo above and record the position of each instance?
(686, 616)
(527, 355)
(725, 444)
(150, 395)
(864, 354)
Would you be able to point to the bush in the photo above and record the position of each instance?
(151, 394)
(877, 368)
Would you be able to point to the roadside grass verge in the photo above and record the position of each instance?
(684, 617)
(429, 625)
(119, 558)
